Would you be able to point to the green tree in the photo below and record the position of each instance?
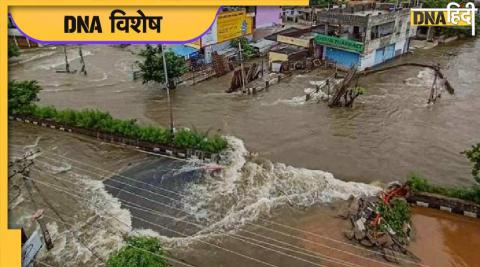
(13, 50)
(437, 3)
(22, 95)
(139, 252)
(474, 156)
(247, 49)
(152, 65)
(322, 3)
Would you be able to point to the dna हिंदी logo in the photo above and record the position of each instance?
(453, 15)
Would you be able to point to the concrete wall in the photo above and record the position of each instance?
(402, 22)
(367, 60)
(274, 56)
(342, 19)
(268, 16)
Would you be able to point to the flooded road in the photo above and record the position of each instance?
(388, 134)
(445, 240)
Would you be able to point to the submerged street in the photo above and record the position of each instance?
(388, 134)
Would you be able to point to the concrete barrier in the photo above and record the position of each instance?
(448, 204)
(116, 139)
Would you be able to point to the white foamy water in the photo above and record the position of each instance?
(249, 188)
(57, 62)
(425, 78)
(315, 97)
(246, 189)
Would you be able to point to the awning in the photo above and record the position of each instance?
(184, 51)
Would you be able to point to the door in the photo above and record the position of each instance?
(341, 57)
(389, 52)
(379, 55)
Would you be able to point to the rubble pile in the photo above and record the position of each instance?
(381, 222)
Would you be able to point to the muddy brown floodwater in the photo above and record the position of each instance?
(445, 240)
(389, 133)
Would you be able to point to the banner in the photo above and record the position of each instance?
(233, 24)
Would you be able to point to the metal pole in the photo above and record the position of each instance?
(82, 60)
(67, 66)
(241, 64)
(168, 90)
(262, 66)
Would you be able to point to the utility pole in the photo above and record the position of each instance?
(241, 64)
(433, 90)
(82, 61)
(22, 167)
(168, 90)
(67, 66)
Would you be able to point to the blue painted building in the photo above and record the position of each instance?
(364, 35)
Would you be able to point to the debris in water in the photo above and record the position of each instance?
(381, 221)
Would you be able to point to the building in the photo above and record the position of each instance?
(293, 42)
(229, 24)
(267, 16)
(364, 35)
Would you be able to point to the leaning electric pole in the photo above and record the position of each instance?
(172, 127)
(82, 61)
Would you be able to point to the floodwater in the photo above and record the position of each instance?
(445, 240)
(389, 133)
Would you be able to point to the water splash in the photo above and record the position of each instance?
(250, 187)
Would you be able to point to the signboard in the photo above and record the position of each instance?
(294, 41)
(196, 44)
(341, 43)
(233, 24)
(31, 248)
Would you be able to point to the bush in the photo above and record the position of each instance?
(139, 252)
(474, 156)
(419, 184)
(13, 50)
(394, 216)
(21, 96)
(48, 112)
(104, 122)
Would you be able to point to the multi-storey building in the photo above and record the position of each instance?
(364, 35)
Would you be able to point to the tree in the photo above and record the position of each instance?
(139, 252)
(474, 156)
(152, 66)
(322, 3)
(247, 49)
(13, 50)
(22, 95)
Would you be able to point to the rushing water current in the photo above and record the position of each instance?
(390, 132)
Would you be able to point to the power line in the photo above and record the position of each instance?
(77, 196)
(263, 227)
(130, 245)
(272, 230)
(133, 205)
(238, 237)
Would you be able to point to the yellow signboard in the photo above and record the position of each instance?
(233, 24)
(196, 44)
